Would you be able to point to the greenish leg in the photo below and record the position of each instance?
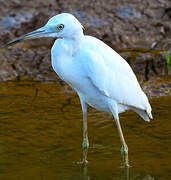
(124, 148)
(124, 153)
(85, 134)
(85, 143)
(84, 160)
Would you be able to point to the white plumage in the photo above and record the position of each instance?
(99, 74)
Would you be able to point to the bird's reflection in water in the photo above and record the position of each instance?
(84, 172)
(125, 175)
(124, 172)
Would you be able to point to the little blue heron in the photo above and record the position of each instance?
(100, 76)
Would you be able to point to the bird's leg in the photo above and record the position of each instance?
(124, 148)
(85, 143)
(85, 134)
(84, 158)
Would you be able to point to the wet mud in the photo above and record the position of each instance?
(139, 30)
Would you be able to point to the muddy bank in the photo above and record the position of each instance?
(139, 30)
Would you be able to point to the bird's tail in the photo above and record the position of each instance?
(146, 115)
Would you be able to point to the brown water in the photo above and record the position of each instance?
(41, 137)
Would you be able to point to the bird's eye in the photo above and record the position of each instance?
(60, 27)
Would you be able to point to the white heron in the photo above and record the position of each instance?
(100, 76)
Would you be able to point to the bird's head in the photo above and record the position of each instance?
(61, 26)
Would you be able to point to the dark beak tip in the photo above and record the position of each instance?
(21, 38)
(10, 43)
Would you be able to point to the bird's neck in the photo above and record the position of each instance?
(69, 46)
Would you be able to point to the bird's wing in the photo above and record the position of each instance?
(112, 75)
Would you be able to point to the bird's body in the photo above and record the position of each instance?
(100, 76)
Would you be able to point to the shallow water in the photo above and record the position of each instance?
(41, 137)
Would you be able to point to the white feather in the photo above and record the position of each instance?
(100, 76)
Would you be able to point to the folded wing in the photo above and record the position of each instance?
(113, 76)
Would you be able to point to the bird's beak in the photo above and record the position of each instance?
(41, 32)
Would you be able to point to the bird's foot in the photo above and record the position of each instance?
(83, 162)
(85, 151)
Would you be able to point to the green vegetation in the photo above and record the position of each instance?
(168, 60)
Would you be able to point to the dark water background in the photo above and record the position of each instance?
(41, 137)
